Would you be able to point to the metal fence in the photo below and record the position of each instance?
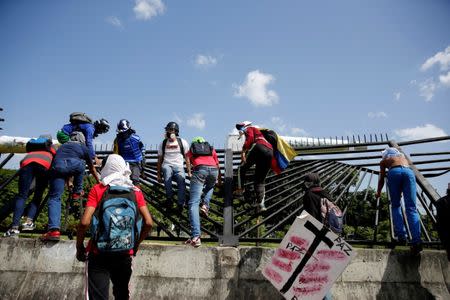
(348, 169)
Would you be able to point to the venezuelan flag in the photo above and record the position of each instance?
(282, 155)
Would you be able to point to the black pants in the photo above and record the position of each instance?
(261, 157)
(102, 268)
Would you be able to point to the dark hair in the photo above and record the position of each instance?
(312, 179)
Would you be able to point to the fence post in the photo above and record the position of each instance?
(228, 238)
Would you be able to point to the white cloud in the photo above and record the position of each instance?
(278, 123)
(205, 60)
(177, 119)
(114, 21)
(298, 131)
(255, 89)
(427, 89)
(147, 9)
(441, 58)
(197, 121)
(397, 96)
(379, 114)
(445, 79)
(420, 132)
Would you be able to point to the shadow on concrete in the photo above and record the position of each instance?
(248, 281)
(402, 279)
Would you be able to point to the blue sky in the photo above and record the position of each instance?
(304, 68)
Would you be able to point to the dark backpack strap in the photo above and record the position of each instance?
(180, 143)
(164, 143)
(108, 195)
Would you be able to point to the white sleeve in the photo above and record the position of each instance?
(185, 146)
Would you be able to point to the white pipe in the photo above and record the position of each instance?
(15, 144)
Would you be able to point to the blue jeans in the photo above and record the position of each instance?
(62, 170)
(26, 176)
(203, 180)
(177, 174)
(402, 180)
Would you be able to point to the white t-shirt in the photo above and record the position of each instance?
(172, 154)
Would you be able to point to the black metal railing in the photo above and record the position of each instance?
(349, 172)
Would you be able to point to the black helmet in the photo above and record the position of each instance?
(101, 126)
(123, 125)
(174, 126)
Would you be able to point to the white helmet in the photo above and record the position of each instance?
(242, 125)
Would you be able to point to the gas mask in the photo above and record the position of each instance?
(170, 135)
(241, 133)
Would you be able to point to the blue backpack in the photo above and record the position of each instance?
(116, 224)
(332, 216)
(39, 144)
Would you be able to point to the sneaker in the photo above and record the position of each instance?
(12, 233)
(204, 209)
(239, 192)
(28, 226)
(262, 207)
(416, 249)
(195, 242)
(77, 196)
(51, 236)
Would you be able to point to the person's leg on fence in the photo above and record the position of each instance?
(179, 176)
(263, 163)
(26, 176)
(394, 186)
(41, 175)
(167, 175)
(210, 182)
(76, 168)
(197, 181)
(136, 170)
(409, 197)
(54, 202)
(243, 168)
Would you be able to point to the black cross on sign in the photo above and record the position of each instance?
(320, 237)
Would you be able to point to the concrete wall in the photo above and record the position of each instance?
(30, 269)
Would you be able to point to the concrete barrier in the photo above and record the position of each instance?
(30, 269)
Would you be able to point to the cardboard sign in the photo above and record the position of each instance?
(308, 261)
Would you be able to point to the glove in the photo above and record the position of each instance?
(81, 254)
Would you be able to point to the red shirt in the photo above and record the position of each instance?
(95, 195)
(204, 160)
(254, 136)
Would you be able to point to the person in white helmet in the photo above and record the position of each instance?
(255, 151)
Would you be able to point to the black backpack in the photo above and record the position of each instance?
(201, 149)
(79, 117)
(271, 137)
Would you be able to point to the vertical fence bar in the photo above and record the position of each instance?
(228, 238)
